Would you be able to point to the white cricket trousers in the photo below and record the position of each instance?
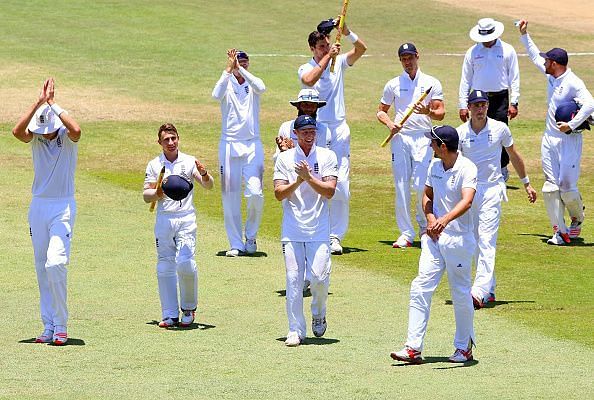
(486, 214)
(339, 204)
(313, 257)
(50, 225)
(241, 161)
(452, 253)
(175, 238)
(411, 156)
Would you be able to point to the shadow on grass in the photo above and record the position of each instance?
(307, 293)
(314, 341)
(435, 360)
(222, 253)
(390, 242)
(347, 250)
(511, 187)
(70, 342)
(193, 326)
(493, 304)
(577, 242)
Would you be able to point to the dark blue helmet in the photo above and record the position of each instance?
(177, 187)
(567, 111)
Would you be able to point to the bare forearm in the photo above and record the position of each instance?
(20, 129)
(324, 188)
(283, 189)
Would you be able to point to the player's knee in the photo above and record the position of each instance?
(186, 267)
(166, 267)
(56, 272)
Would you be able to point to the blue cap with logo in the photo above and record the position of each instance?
(567, 111)
(556, 54)
(445, 134)
(304, 121)
(407, 48)
(477, 96)
(242, 55)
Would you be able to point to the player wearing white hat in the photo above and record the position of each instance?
(53, 135)
(561, 147)
(175, 226)
(481, 139)
(304, 180)
(330, 86)
(411, 150)
(491, 65)
(448, 246)
(241, 156)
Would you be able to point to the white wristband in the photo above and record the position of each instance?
(353, 37)
(525, 180)
(57, 109)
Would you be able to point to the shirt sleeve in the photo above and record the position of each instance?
(506, 137)
(304, 69)
(330, 166)
(513, 75)
(436, 91)
(221, 86)
(150, 175)
(280, 169)
(584, 97)
(465, 80)
(533, 52)
(388, 95)
(428, 181)
(469, 176)
(256, 83)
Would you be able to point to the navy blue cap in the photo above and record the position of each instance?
(556, 54)
(242, 55)
(445, 134)
(177, 187)
(477, 96)
(567, 111)
(304, 121)
(407, 48)
(325, 27)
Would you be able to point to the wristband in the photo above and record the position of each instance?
(206, 173)
(57, 109)
(353, 37)
(525, 180)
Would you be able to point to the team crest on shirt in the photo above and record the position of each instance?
(316, 168)
(247, 89)
(59, 141)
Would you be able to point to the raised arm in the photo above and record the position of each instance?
(201, 175)
(20, 129)
(71, 125)
(359, 47)
(531, 48)
(256, 83)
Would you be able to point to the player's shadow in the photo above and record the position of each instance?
(390, 242)
(435, 360)
(70, 342)
(307, 293)
(193, 326)
(577, 242)
(222, 253)
(314, 341)
(347, 250)
(509, 187)
(493, 304)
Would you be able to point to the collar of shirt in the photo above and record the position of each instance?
(164, 159)
(417, 76)
(299, 151)
(497, 44)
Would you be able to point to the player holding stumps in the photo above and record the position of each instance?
(330, 86)
(241, 156)
(481, 140)
(411, 150)
(53, 135)
(304, 180)
(175, 226)
(561, 147)
(448, 246)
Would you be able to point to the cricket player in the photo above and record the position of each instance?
(491, 65)
(561, 147)
(330, 86)
(481, 139)
(53, 135)
(175, 226)
(411, 150)
(304, 180)
(241, 156)
(447, 246)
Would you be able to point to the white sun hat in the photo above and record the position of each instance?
(486, 30)
(310, 96)
(44, 121)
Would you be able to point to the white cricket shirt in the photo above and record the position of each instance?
(490, 69)
(306, 216)
(240, 105)
(562, 89)
(54, 163)
(183, 165)
(484, 148)
(330, 86)
(447, 190)
(402, 91)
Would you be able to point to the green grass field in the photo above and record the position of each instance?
(122, 69)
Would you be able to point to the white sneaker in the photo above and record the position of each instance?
(293, 339)
(60, 337)
(168, 322)
(575, 229)
(250, 246)
(318, 326)
(187, 318)
(559, 239)
(408, 355)
(335, 247)
(461, 356)
(45, 337)
(232, 253)
(401, 243)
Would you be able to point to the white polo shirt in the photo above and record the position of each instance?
(490, 69)
(447, 190)
(54, 163)
(562, 89)
(240, 105)
(306, 216)
(403, 91)
(330, 86)
(484, 148)
(183, 165)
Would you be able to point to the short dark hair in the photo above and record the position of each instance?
(167, 127)
(315, 37)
